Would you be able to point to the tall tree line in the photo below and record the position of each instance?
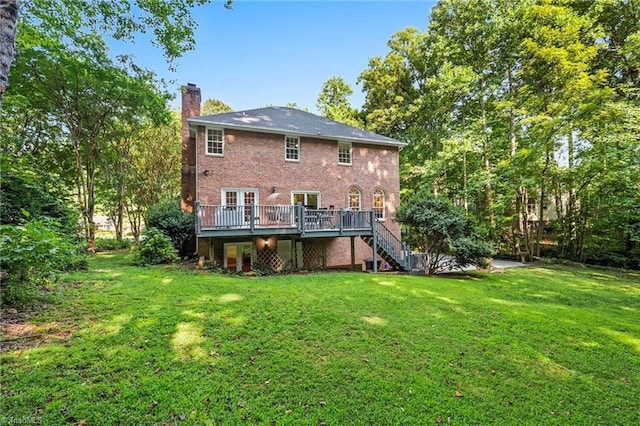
(524, 112)
(99, 125)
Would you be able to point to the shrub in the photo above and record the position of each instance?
(23, 197)
(108, 244)
(30, 256)
(447, 236)
(169, 218)
(155, 248)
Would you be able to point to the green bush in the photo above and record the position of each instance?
(31, 255)
(109, 244)
(169, 218)
(24, 197)
(155, 248)
(447, 236)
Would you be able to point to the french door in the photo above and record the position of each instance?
(244, 197)
(238, 256)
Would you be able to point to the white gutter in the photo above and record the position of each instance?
(197, 122)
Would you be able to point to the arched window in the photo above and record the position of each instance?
(378, 203)
(355, 199)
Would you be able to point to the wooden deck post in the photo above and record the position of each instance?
(375, 242)
(198, 223)
(353, 253)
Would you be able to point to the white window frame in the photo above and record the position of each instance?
(206, 142)
(352, 192)
(240, 194)
(306, 193)
(377, 192)
(239, 254)
(241, 200)
(287, 139)
(342, 145)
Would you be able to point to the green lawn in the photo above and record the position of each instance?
(170, 345)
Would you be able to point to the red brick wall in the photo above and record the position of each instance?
(190, 108)
(257, 160)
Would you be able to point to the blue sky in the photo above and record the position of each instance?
(276, 52)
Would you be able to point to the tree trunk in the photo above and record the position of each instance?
(91, 207)
(571, 204)
(542, 198)
(517, 228)
(121, 204)
(464, 180)
(487, 166)
(526, 226)
(82, 200)
(561, 220)
(8, 26)
(134, 214)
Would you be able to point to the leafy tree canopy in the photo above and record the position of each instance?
(75, 21)
(214, 106)
(333, 102)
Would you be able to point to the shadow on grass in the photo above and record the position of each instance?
(166, 345)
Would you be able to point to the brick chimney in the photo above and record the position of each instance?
(191, 99)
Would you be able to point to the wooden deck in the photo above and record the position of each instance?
(259, 220)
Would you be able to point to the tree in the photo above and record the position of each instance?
(520, 110)
(30, 194)
(215, 106)
(140, 166)
(294, 105)
(559, 88)
(393, 84)
(333, 103)
(154, 170)
(38, 231)
(91, 97)
(448, 237)
(169, 21)
(78, 21)
(8, 26)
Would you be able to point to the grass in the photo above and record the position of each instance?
(170, 345)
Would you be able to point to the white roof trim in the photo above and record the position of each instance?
(194, 122)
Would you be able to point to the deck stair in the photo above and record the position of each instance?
(389, 247)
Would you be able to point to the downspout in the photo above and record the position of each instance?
(196, 204)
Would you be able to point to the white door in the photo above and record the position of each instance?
(245, 197)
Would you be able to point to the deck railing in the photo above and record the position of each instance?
(290, 219)
(217, 217)
(392, 245)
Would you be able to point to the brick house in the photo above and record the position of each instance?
(284, 188)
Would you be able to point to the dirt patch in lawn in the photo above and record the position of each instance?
(20, 333)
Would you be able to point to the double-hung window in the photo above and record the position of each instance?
(291, 148)
(215, 142)
(378, 203)
(344, 153)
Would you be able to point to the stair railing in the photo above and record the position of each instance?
(392, 245)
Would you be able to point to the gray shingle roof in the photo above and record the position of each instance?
(292, 121)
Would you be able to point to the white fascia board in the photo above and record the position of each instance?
(195, 122)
